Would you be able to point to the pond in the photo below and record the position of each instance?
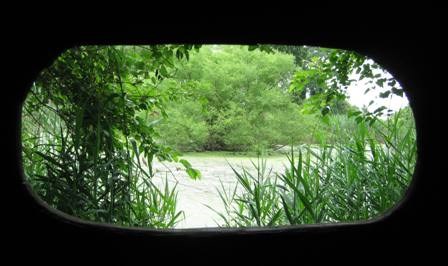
(195, 195)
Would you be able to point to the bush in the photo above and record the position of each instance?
(184, 128)
(243, 98)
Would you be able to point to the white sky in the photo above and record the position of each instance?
(357, 97)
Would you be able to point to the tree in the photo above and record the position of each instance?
(243, 97)
(324, 75)
(93, 147)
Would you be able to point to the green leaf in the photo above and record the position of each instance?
(179, 54)
(163, 71)
(397, 92)
(385, 94)
(155, 122)
(134, 147)
(287, 212)
(50, 159)
(185, 163)
(193, 173)
(379, 109)
(252, 47)
(356, 113)
(380, 82)
(275, 218)
(78, 126)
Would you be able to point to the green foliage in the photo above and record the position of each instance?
(185, 128)
(258, 206)
(97, 118)
(324, 75)
(238, 101)
(84, 140)
(301, 194)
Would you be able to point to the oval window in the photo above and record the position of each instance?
(190, 136)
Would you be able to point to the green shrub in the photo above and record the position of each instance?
(184, 128)
(243, 98)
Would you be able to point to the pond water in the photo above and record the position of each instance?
(194, 195)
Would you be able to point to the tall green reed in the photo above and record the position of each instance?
(259, 205)
(357, 174)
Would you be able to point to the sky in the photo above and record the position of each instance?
(357, 97)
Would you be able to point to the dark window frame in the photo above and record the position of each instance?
(399, 54)
(251, 230)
